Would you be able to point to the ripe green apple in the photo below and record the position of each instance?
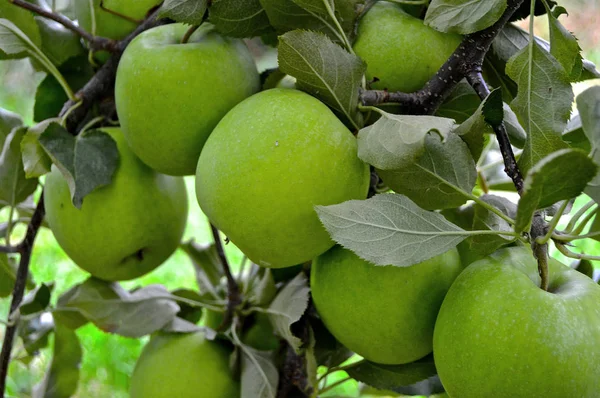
(399, 49)
(385, 314)
(267, 164)
(170, 95)
(499, 335)
(183, 366)
(123, 230)
(108, 24)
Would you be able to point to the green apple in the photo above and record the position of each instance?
(170, 96)
(267, 164)
(107, 23)
(183, 366)
(260, 334)
(499, 335)
(385, 314)
(399, 49)
(125, 229)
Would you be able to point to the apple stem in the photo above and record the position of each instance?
(189, 33)
(95, 42)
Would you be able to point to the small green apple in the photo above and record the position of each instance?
(267, 164)
(499, 335)
(170, 95)
(123, 230)
(183, 366)
(399, 49)
(385, 314)
(109, 25)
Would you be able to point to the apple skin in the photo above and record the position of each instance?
(399, 49)
(385, 314)
(267, 164)
(170, 96)
(109, 25)
(499, 335)
(140, 210)
(183, 366)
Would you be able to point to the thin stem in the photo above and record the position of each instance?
(9, 249)
(347, 43)
(338, 368)
(578, 215)
(579, 256)
(581, 226)
(233, 290)
(333, 385)
(98, 43)
(9, 224)
(189, 33)
(542, 240)
(92, 122)
(569, 238)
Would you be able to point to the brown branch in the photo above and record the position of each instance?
(95, 42)
(234, 298)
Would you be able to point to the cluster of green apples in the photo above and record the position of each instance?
(262, 161)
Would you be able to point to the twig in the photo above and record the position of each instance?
(24, 248)
(96, 43)
(234, 298)
(579, 256)
(9, 249)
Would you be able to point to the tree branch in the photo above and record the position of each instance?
(234, 297)
(9, 249)
(95, 42)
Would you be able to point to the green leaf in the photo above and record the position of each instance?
(575, 136)
(463, 16)
(543, 104)
(288, 307)
(37, 300)
(36, 161)
(483, 219)
(260, 376)
(136, 314)
(392, 377)
(63, 376)
(207, 265)
(588, 104)
(14, 186)
(564, 46)
(186, 11)
(58, 43)
(586, 267)
(8, 275)
(286, 15)
(462, 102)
(34, 332)
(327, 349)
(390, 229)
(87, 161)
(25, 21)
(324, 70)
(559, 176)
(263, 290)
(8, 121)
(419, 157)
(239, 18)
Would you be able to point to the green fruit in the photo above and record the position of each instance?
(499, 335)
(267, 164)
(399, 49)
(170, 96)
(183, 366)
(123, 230)
(108, 24)
(385, 314)
(260, 335)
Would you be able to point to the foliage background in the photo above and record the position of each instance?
(109, 359)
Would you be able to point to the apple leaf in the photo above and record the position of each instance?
(323, 69)
(37, 300)
(62, 377)
(483, 219)
(561, 175)
(288, 307)
(588, 104)
(136, 314)
(180, 325)
(186, 11)
(8, 272)
(263, 290)
(462, 102)
(34, 332)
(207, 265)
(260, 376)
(478, 124)
(543, 103)
(87, 162)
(425, 161)
(58, 42)
(15, 187)
(394, 377)
(564, 46)
(463, 16)
(586, 268)
(239, 18)
(24, 20)
(390, 229)
(286, 15)
(327, 349)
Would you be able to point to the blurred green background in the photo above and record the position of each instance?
(108, 359)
